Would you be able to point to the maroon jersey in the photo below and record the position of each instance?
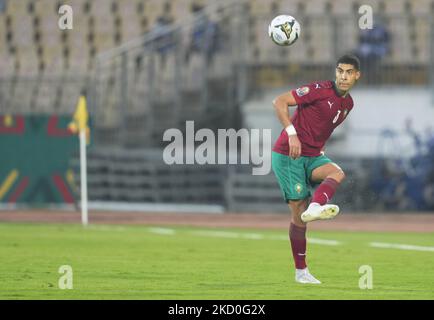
(319, 111)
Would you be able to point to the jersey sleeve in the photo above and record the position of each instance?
(306, 94)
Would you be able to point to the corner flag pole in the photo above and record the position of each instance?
(79, 124)
(83, 174)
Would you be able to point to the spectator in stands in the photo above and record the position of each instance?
(204, 38)
(373, 47)
(388, 183)
(430, 141)
(414, 135)
(164, 40)
(429, 187)
(2, 6)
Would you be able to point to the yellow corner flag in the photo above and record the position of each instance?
(79, 124)
(80, 119)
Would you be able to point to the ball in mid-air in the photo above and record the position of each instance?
(284, 30)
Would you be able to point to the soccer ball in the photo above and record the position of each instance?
(284, 30)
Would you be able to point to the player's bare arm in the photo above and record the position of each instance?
(281, 104)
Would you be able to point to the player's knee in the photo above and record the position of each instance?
(297, 205)
(340, 176)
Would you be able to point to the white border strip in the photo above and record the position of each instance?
(155, 207)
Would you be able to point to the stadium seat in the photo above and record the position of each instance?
(28, 62)
(78, 61)
(153, 10)
(260, 8)
(342, 7)
(45, 99)
(104, 42)
(395, 7)
(317, 7)
(421, 7)
(22, 96)
(400, 48)
(16, 8)
(3, 31)
(7, 65)
(265, 50)
(104, 31)
(322, 40)
(180, 9)
(53, 59)
(71, 93)
(77, 41)
(348, 35)
(5, 95)
(101, 8)
(49, 22)
(130, 21)
(46, 7)
(77, 6)
(374, 4)
(51, 39)
(289, 6)
(22, 29)
(193, 77)
(421, 40)
(220, 68)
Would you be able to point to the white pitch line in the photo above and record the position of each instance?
(106, 228)
(253, 236)
(258, 236)
(310, 240)
(228, 234)
(165, 231)
(400, 246)
(323, 241)
(219, 234)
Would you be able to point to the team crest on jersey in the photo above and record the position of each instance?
(298, 188)
(302, 91)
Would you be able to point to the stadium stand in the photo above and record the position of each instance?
(149, 65)
(141, 176)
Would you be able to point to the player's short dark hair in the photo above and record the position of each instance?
(349, 59)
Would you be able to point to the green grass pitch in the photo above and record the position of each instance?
(143, 262)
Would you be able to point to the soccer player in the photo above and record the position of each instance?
(298, 159)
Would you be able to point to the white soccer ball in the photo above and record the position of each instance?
(284, 30)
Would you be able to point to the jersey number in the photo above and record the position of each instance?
(337, 116)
